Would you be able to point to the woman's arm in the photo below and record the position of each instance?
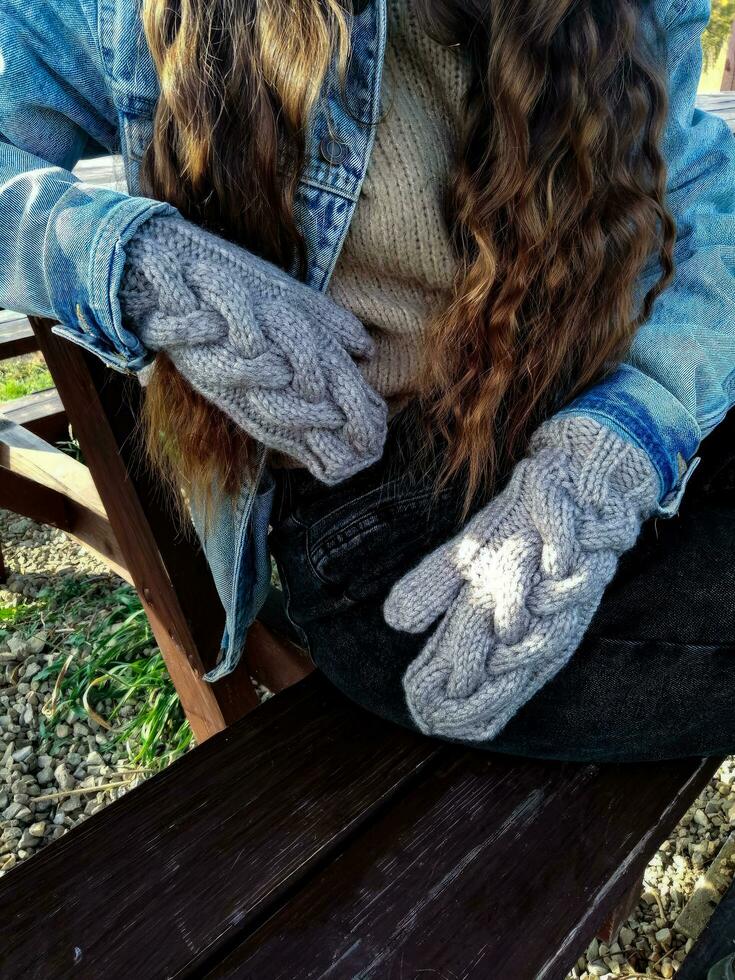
(678, 381)
(513, 594)
(275, 355)
(278, 358)
(516, 589)
(61, 241)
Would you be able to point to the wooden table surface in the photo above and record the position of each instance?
(312, 840)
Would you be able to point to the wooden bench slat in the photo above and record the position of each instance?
(165, 876)
(7, 316)
(40, 482)
(42, 413)
(482, 848)
(16, 336)
(721, 104)
(25, 453)
(48, 506)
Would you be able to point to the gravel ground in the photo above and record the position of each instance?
(681, 887)
(49, 783)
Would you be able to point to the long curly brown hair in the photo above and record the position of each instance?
(557, 202)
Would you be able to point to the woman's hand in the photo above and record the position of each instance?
(273, 354)
(517, 588)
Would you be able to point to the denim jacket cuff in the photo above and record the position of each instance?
(100, 224)
(646, 414)
(669, 505)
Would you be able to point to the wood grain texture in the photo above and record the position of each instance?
(492, 868)
(187, 573)
(165, 877)
(7, 316)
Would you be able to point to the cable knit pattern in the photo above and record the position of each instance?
(272, 353)
(518, 587)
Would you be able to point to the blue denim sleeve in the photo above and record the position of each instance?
(678, 380)
(61, 241)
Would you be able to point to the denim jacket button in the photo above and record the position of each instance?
(332, 151)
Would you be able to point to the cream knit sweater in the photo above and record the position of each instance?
(397, 265)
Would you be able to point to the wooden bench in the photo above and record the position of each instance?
(312, 840)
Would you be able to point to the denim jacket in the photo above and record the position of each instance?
(77, 79)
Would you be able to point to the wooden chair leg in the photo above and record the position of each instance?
(168, 570)
(275, 661)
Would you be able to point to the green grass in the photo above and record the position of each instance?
(108, 661)
(23, 375)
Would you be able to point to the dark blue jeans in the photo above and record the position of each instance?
(654, 677)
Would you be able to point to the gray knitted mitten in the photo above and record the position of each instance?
(517, 588)
(272, 353)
